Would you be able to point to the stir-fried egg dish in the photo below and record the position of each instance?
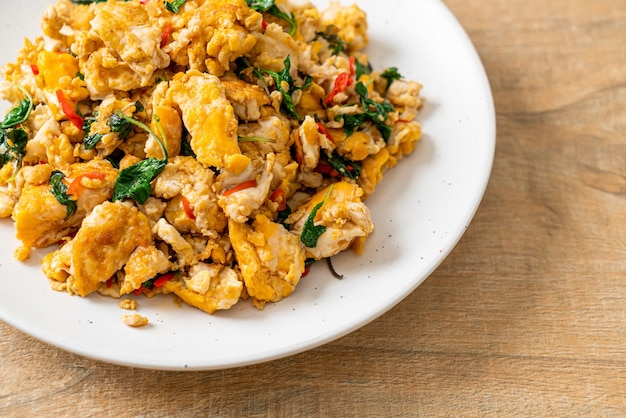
(212, 149)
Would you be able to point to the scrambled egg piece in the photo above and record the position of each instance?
(210, 35)
(40, 220)
(210, 119)
(128, 304)
(343, 214)
(135, 320)
(143, 264)
(121, 50)
(240, 204)
(185, 177)
(104, 244)
(210, 289)
(351, 22)
(205, 152)
(271, 259)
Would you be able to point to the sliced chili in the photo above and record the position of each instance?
(160, 282)
(342, 82)
(352, 71)
(187, 208)
(241, 186)
(69, 111)
(325, 168)
(278, 196)
(325, 131)
(76, 187)
(166, 34)
(34, 69)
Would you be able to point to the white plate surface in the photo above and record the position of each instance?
(421, 209)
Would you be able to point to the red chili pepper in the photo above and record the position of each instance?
(160, 282)
(278, 196)
(342, 82)
(109, 282)
(143, 1)
(352, 70)
(241, 186)
(187, 208)
(69, 111)
(325, 131)
(264, 24)
(34, 69)
(306, 271)
(166, 34)
(326, 168)
(138, 292)
(403, 121)
(75, 188)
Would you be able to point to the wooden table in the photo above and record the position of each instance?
(526, 317)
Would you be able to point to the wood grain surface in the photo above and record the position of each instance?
(527, 317)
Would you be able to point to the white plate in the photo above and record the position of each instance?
(421, 209)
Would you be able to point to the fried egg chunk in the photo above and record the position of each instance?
(270, 258)
(104, 244)
(343, 214)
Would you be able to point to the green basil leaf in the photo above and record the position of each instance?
(87, 122)
(311, 232)
(346, 168)
(270, 7)
(4, 158)
(360, 69)
(308, 80)
(12, 146)
(59, 191)
(120, 125)
(260, 5)
(289, 18)
(134, 181)
(19, 138)
(91, 141)
(390, 74)
(335, 43)
(352, 123)
(174, 5)
(376, 112)
(20, 113)
(5, 155)
(287, 105)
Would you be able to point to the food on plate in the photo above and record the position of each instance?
(212, 149)
(135, 320)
